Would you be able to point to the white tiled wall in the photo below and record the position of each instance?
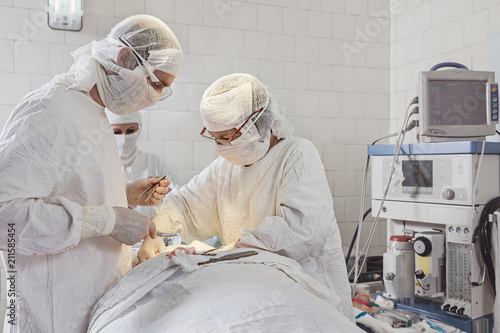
(327, 60)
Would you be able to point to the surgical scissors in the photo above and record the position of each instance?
(153, 186)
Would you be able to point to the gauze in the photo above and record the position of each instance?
(123, 85)
(248, 154)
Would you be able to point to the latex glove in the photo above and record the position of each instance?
(131, 226)
(151, 248)
(136, 188)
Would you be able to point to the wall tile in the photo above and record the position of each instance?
(32, 4)
(179, 99)
(204, 154)
(189, 126)
(330, 104)
(287, 99)
(14, 23)
(339, 208)
(195, 92)
(302, 127)
(378, 55)
(330, 52)
(189, 11)
(25, 62)
(152, 146)
(343, 26)
(271, 73)
(39, 31)
(84, 36)
(320, 24)
(230, 42)
(368, 131)
(216, 67)
(353, 105)
(101, 8)
(334, 157)
(295, 21)
(440, 12)
(343, 78)
(322, 130)
(104, 25)
(162, 9)
(352, 206)
(5, 111)
(126, 8)
(282, 47)
(243, 65)
(296, 75)
(285, 3)
(344, 183)
(306, 103)
(256, 45)
(193, 68)
(309, 4)
(307, 50)
(216, 13)
(13, 87)
(333, 6)
(270, 19)
(201, 40)
(163, 125)
(37, 80)
(377, 106)
(186, 175)
(476, 28)
(244, 16)
(345, 131)
(60, 58)
(320, 77)
(358, 7)
(7, 55)
(422, 18)
(179, 155)
(366, 80)
(181, 32)
(494, 23)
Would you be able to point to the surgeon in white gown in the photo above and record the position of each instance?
(136, 164)
(267, 189)
(63, 201)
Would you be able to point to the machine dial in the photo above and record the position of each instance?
(422, 246)
(448, 194)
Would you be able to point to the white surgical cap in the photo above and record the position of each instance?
(230, 100)
(115, 119)
(122, 84)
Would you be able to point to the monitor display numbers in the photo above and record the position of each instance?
(457, 102)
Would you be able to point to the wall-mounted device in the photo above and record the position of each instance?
(65, 14)
(457, 104)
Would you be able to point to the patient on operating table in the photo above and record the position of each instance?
(267, 190)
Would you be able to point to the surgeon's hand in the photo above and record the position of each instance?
(136, 188)
(131, 226)
(151, 248)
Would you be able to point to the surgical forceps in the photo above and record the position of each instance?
(153, 186)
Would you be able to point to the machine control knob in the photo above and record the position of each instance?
(390, 276)
(422, 246)
(446, 307)
(420, 274)
(453, 309)
(448, 194)
(461, 311)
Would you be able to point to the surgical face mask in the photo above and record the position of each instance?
(129, 92)
(247, 154)
(127, 146)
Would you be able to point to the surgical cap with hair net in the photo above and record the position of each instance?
(123, 85)
(231, 99)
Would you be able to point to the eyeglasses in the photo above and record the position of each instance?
(227, 142)
(158, 86)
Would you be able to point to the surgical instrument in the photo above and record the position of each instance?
(231, 256)
(153, 186)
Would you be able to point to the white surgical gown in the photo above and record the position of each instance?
(57, 154)
(145, 165)
(284, 203)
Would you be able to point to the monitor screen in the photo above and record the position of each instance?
(457, 102)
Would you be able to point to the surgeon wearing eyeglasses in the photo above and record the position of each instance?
(63, 203)
(266, 190)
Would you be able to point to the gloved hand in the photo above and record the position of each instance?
(131, 226)
(151, 248)
(136, 188)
